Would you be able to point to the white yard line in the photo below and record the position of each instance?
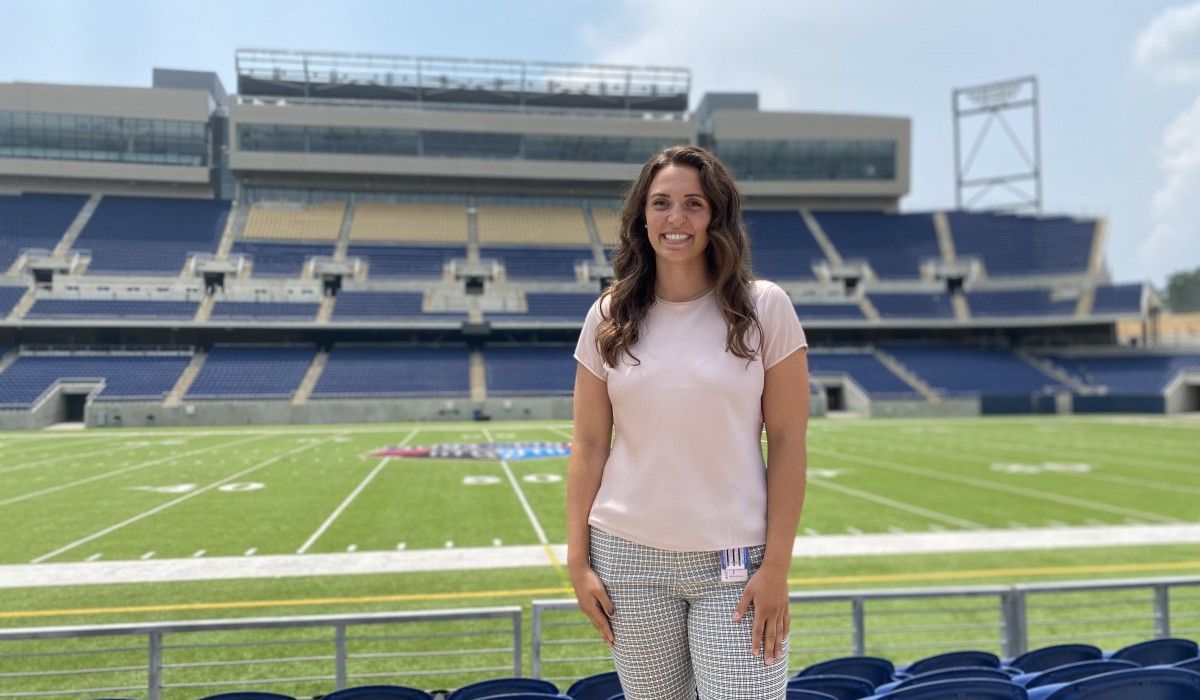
(89, 455)
(996, 486)
(476, 558)
(898, 505)
(512, 479)
(118, 472)
(158, 509)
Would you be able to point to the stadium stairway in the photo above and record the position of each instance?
(343, 241)
(186, 377)
(76, 227)
(941, 226)
(962, 310)
(23, 306)
(593, 233)
(478, 378)
(8, 358)
(1087, 302)
(868, 309)
(311, 377)
(909, 378)
(1049, 368)
(204, 309)
(235, 226)
(325, 310)
(819, 235)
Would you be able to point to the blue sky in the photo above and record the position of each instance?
(1119, 79)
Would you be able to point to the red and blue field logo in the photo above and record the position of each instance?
(490, 451)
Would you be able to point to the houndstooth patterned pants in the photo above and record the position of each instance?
(673, 625)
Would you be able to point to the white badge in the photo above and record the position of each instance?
(733, 564)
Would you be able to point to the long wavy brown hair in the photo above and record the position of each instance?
(727, 256)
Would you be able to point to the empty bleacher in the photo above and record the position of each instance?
(531, 263)
(9, 296)
(895, 245)
(1119, 299)
(1144, 375)
(551, 307)
(829, 312)
(781, 246)
(366, 306)
(907, 305)
(34, 221)
(959, 371)
(124, 376)
(409, 223)
(865, 369)
(419, 261)
(1018, 246)
(251, 372)
(608, 225)
(148, 235)
(531, 226)
(263, 311)
(1018, 302)
(112, 309)
(285, 221)
(367, 371)
(524, 371)
(280, 259)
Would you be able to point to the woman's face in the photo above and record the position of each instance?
(677, 216)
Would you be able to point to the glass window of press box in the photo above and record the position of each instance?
(447, 144)
(111, 139)
(809, 160)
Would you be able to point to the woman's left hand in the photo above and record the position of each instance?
(767, 592)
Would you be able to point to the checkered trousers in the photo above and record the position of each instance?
(673, 625)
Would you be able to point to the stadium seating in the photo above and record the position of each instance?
(283, 221)
(248, 695)
(121, 230)
(1019, 246)
(366, 306)
(125, 376)
(944, 674)
(1157, 651)
(962, 371)
(1130, 684)
(898, 305)
(1018, 302)
(608, 225)
(1131, 375)
(529, 370)
(9, 296)
(378, 692)
(410, 223)
(251, 372)
(263, 311)
(34, 221)
(865, 369)
(530, 263)
(1046, 658)
(547, 306)
(829, 312)
(414, 261)
(602, 686)
(1066, 673)
(279, 259)
(872, 669)
(368, 371)
(781, 246)
(840, 687)
(112, 309)
(958, 689)
(537, 226)
(1119, 299)
(895, 245)
(504, 686)
(798, 694)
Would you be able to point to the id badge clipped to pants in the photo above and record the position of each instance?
(734, 564)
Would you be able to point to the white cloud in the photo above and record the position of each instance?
(1174, 240)
(1169, 46)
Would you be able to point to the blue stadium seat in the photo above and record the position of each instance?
(378, 692)
(958, 689)
(1019, 246)
(125, 376)
(502, 686)
(1046, 658)
(366, 371)
(524, 370)
(368, 306)
(839, 686)
(1192, 664)
(895, 245)
(957, 371)
(945, 674)
(248, 695)
(829, 312)
(112, 309)
(263, 311)
(601, 686)
(535, 263)
(1128, 375)
(9, 296)
(1071, 672)
(952, 659)
(920, 305)
(1157, 651)
(872, 669)
(865, 369)
(34, 221)
(279, 259)
(121, 229)
(798, 694)
(781, 246)
(406, 261)
(1121, 299)
(1018, 302)
(1156, 683)
(251, 372)
(546, 306)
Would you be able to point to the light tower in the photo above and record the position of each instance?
(1005, 176)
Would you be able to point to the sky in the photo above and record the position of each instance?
(1119, 80)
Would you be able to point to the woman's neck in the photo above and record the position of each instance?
(672, 285)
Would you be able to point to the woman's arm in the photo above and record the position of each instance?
(785, 413)
(590, 445)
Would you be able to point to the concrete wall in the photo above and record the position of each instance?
(919, 408)
(207, 413)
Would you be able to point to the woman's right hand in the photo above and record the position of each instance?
(593, 601)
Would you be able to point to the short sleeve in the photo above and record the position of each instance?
(782, 333)
(586, 351)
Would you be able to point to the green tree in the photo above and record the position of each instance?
(1183, 291)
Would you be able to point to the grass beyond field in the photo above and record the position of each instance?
(222, 493)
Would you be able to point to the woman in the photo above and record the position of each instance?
(679, 542)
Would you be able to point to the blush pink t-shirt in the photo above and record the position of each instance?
(686, 470)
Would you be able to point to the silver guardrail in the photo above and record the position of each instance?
(301, 656)
(906, 624)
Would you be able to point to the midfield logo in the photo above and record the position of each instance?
(490, 451)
